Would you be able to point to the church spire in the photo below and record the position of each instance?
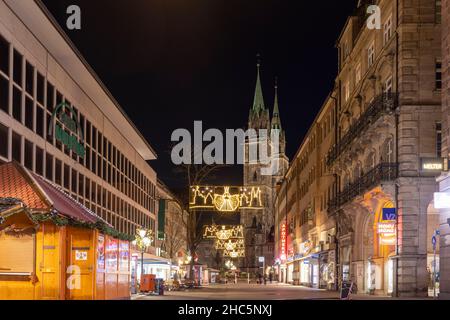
(258, 102)
(276, 120)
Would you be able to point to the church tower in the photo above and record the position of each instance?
(259, 224)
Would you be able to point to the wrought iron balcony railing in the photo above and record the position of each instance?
(382, 172)
(385, 102)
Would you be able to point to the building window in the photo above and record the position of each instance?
(58, 172)
(17, 104)
(49, 166)
(387, 87)
(40, 88)
(358, 73)
(438, 139)
(438, 74)
(29, 80)
(29, 113)
(4, 55)
(29, 154)
(40, 121)
(18, 67)
(4, 141)
(74, 181)
(66, 176)
(16, 147)
(4, 94)
(438, 13)
(387, 34)
(371, 55)
(39, 166)
(50, 97)
(346, 90)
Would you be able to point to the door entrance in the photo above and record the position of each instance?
(80, 265)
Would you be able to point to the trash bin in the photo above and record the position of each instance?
(147, 283)
(159, 286)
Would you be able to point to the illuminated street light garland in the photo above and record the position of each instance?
(230, 245)
(225, 198)
(230, 239)
(223, 232)
(234, 253)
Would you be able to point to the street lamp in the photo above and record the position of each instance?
(142, 241)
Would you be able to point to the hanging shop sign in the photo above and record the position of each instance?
(387, 233)
(283, 242)
(64, 126)
(225, 198)
(435, 165)
(306, 247)
(389, 214)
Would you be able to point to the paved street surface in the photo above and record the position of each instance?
(245, 291)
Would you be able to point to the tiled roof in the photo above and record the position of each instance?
(15, 184)
(38, 194)
(65, 204)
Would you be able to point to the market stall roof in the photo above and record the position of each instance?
(40, 195)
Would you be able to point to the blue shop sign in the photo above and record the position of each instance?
(389, 214)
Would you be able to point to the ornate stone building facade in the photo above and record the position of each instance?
(444, 180)
(259, 224)
(388, 122)
(307, 255)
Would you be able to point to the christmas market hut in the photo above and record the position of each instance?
(52, 247)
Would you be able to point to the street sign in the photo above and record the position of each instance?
(261, 259)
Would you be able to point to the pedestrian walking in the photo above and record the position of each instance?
(270, 277)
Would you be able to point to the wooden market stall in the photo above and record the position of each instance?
(52, 247)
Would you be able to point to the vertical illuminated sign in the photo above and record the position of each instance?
(283, 242)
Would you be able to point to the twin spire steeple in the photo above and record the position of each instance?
(258, 102)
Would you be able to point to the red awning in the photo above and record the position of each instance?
(64, 203)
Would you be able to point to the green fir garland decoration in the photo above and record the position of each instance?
(99, 225)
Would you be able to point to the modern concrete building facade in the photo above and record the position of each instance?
(58, 120)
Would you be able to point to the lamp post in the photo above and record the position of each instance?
(143, 240)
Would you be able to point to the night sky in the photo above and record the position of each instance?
(170, 62)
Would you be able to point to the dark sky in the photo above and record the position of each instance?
(170, 62)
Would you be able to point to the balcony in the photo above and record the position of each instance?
(382, 172)
(384, 103)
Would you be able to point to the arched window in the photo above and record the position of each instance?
(370, 161)
(387, 152)
(357, 172)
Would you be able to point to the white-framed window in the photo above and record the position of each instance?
(387, 30)
(438, 74)
(358, 74)
(388, 85)
(371, 54)
(347, 91)
(438, 12)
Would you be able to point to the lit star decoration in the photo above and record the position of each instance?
(225, 198)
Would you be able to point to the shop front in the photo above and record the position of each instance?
(327, 270)
(52, 247)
